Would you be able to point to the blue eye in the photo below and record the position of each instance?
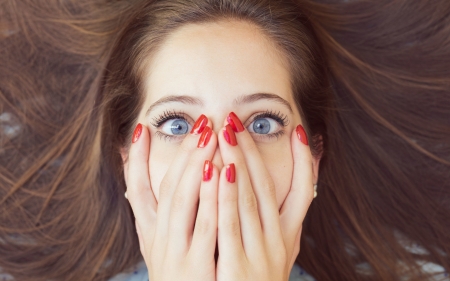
(175, 127)
(263, 126)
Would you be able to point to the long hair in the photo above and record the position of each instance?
(370, 78)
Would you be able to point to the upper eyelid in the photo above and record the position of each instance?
(257, 115)
(179, 115)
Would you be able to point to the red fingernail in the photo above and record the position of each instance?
(235, 122)
(301, 134)
(137, 133)
(229, 135)
(231, 173)
(199, 125)
(204, 138)
(207, 170)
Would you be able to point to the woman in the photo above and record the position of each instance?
(276, 96)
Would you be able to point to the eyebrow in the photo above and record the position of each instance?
(182, 99)
(262, 96)
(244, 99)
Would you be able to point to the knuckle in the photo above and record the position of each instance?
(270, 187)
(193, 163)
(240, 164)
(229, 199)
(203, 227)
(250, 203)
(164, 188)
(280, 255)
(178, 202)
(186, 146)
(233, 228)
(250, 145)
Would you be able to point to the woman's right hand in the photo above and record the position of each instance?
(172, 248)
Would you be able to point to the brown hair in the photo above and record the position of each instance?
(371, 78)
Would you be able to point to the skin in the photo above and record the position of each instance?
(218, 65)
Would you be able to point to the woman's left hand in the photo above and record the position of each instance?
(256, 241)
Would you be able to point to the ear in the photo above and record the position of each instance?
(124, 155)
(316, 160)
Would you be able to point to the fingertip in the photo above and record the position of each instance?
(200, 124)
(208, 167)
(301, 134)
(136, 133)
(300, 144)
(235, 122)
(230, 173)
(227, 191)
(140, 134)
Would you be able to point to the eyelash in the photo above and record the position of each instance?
(280, 118)
(166, 116)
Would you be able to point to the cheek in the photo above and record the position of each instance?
(280, 164)
(161, 155)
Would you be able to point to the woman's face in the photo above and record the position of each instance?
(214, 69)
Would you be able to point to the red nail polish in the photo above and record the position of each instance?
(301, 134)
(235, 123)
(207, 170)
(137, 133)
(231, 173)
(199, 125)
(229, 135)
(204, 138)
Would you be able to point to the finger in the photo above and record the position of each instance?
(301, 193)
(261, 181)
(139, 192)
(229, 227)
(179, 191)
(250, 224)
(205, 231)
(183, 208)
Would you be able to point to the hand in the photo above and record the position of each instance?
(256, 241)
(171, 250)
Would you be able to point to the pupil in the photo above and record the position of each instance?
(179, 127)
(261, 126)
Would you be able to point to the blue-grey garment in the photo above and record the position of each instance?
(140, 273)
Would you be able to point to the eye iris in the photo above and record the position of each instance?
(261, 126)
(179, 127)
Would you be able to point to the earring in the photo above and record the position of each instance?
(125, 194)
(315, 190)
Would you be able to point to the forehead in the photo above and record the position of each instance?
(227, 58)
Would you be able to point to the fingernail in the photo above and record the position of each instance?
(207, 170)
(235, 123)
(301, 134)
(229, 135)
(231, 173)
(199, 125)
(204, 138)
(137, 133)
